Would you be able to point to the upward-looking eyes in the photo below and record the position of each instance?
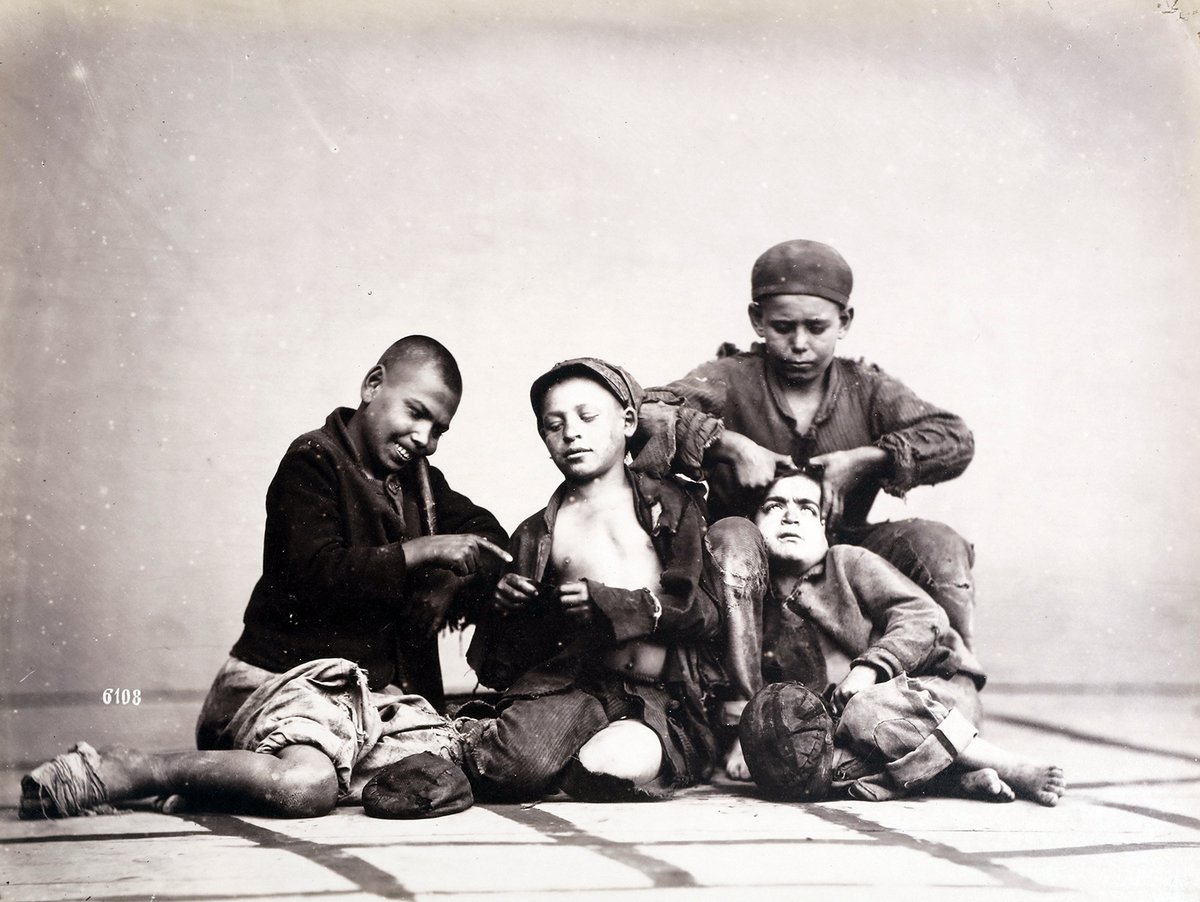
(801, 508)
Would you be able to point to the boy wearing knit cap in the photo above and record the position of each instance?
(596, 626)
(790, 399)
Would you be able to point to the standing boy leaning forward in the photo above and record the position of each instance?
(350, 599)
(596, 629)
(897, 678)
(791, 400)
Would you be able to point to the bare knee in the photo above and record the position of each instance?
(627, 749)
(303, 784)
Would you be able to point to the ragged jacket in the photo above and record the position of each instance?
(335, 583)
(536, 652)
(865, 611)
(862, 405)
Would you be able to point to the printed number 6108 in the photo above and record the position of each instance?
(121, 696)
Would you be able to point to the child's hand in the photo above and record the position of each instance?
(841, 471)
(461, 553)
(576, 600)
(513, 593)
(753, 465)
(860, 677)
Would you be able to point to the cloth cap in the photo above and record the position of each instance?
(616, 379)
(802, 267)
(421, 785)
(787, 738)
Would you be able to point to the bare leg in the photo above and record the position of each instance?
(625, 748)
(299, 782)
(1041, 783)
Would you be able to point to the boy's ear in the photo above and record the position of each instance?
(372, 382)
(756, 314)
(631, 422)
(846, 317)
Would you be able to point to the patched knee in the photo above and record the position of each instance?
(736, 546)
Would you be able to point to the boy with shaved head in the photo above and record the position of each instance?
(355, 585)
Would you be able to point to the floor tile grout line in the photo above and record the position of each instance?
(1105, 849)
(1046, 727)
(1169, 817)
(96, 837)
(1121, 784)
(942, 851)
(660, 873)
(208, 897)
(330, 856)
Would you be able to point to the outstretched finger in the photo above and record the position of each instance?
(493, 548)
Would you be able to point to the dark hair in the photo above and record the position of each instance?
(806, 469)
(425, 351)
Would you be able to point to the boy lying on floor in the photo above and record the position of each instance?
(899, 680)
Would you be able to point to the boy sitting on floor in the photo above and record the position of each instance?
(350, 599)
(595, 631)
(900, 681)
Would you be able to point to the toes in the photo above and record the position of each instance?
(985, 784)
(737, 770)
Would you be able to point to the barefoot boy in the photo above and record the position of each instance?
(900, 680)
(596, 627)
(349, 601)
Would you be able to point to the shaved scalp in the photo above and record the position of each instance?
(421, 350)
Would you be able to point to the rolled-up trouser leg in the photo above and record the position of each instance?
(735, 572)
(933, 556)
(894, 737)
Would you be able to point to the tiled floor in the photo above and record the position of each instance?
(1129, 828)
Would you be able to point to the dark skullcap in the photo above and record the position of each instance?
(787, 738)
(614, 378)
(421, 785)
(802, 267)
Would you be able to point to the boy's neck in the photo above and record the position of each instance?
(604, 485)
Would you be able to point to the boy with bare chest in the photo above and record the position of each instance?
(597, 625)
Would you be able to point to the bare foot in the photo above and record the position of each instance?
(984, 784)
(735, 763)
(1041, 783)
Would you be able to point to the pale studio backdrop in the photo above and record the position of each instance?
(217, 216)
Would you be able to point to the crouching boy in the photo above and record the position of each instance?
(596, 626)
(355, 585)
(899, 682)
